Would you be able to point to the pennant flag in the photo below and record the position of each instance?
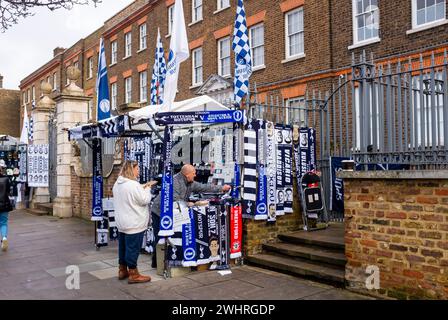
(158, 73)
(243, 59)
(24, 135)
(102, 86)
(179, 52)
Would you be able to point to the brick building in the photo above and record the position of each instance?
(298, 46)
(10, 119)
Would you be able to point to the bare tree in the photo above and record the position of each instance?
(12, 10)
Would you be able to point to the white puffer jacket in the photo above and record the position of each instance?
(131, 202)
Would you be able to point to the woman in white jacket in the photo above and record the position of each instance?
(131, 200)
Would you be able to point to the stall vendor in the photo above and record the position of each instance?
(183, 186)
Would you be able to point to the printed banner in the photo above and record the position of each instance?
(38, 165)
(170, 118)
(236, 230)
(97, 182)
(271, 171)
(189, 242)
(166, 198)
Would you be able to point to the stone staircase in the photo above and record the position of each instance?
(316, 255)
(42, 209)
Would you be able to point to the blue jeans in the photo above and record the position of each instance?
(155, 227)
(129, 246)
(4, 224)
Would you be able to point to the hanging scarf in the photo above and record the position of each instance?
(271, 171)
(261, 212)
(102, 231)
(166, 214)
(279, 166)
(213, 232)
(250, 169)
(287, 175)
(189, 242)
(202, 233)
(97, 181)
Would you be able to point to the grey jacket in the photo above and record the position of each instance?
(183, 189)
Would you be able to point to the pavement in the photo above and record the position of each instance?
(41, 247)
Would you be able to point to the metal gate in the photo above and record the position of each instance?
(52, 161)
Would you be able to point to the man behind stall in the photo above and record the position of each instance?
(183, 187)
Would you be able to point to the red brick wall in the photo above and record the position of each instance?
(10, 112)
(401, 226)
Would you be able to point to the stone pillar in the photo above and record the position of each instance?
(71, 109)
(45, 106)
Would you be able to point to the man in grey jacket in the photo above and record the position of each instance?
(183, 186)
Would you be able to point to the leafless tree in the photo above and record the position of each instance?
(12, 10)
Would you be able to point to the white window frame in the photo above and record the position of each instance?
(254, 66)
(142, 35)
(221, 58)
(114, 52)
(127, 44)
(220, 6)
(128, 90)
(90, 68)
(55, 82)
(33, 93)
(113, 96)
(196, 67)
(67, 81)
(355, 15)
(426, 25)
(143, 81)
(24, 97)
(40, 86)
(197, 11)
(292, 102)
(287, 35)
(170, 19)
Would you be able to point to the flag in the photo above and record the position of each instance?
(102, 86)
(243, 60)
(25, 128)
(158, 73)
(179, 52)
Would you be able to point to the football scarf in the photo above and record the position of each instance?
(109, 214)
(213, 233)
(271, 171)
(174, 249)
(236, 209)
(102, 231)
(189, 242)
(250, 169)
(262, 204)
(287, 165)
(202, 234)
(166, 214)
(223, 241)
(97, 182)
(280, 190)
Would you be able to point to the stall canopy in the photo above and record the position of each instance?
(141, 120)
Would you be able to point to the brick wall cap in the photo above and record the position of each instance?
(411, 175)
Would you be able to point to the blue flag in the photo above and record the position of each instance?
(102, 86)
(243, 59)
(158, 73)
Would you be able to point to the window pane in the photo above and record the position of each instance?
(440, 10)
(359, 6)
(361, 34)
(431, 13)
(430, 3)
(420, 4)
(420, 16)
(293, 23)
(361, 21)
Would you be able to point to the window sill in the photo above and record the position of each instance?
(364, 43)
(144, 101)
(258, 68)
(141, 50)
(127, 57)
(168, 35)
(194, 22)
(427, 26)
(220, 10)
(298, 57)
(196, 85)
(227, 76)
(112, 64)
(89, 78)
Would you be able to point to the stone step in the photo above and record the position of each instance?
(317, 254)
(48, 207)
(299, 268)
(331, 238)
(37, 212)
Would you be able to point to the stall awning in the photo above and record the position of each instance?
(137, 121)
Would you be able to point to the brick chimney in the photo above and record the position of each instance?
(1, 81)
(57, 51)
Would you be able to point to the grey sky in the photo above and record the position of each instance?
(29, 44)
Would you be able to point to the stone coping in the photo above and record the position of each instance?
(399, 175)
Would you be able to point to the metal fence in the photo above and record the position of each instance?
(383, 116)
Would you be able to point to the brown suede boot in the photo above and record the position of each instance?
(122, 272)
(136, 277)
